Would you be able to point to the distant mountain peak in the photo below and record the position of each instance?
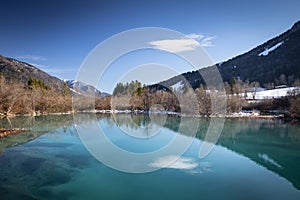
(84, 89)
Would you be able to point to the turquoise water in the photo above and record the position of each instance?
(253, 159)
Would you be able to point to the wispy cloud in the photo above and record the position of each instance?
(207, 41)
(195, 36)
(52, 70)
(204, 40)
(188, 43)
(58, 71)
(32, 58)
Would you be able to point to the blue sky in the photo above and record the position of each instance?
(57, 36)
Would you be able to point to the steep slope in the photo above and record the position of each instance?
(265, 63)
(15, 70)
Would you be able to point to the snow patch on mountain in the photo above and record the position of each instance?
(268, 50)
(178, 86)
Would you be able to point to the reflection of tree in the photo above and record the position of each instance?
(39, 123)
(133, 121)
(36, 126)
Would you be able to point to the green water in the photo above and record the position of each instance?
(253, 159)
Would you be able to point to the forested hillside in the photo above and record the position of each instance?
(274, 63)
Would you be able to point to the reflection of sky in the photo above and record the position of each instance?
(141, 143)
(187, 164)
(181, 162)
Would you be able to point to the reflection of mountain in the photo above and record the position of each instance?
(276, 147)
(271, 144)
(267, 143)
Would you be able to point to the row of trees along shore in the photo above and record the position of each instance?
(135, 96)
(32, 98)
(36, 97)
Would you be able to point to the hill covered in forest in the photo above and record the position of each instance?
(275, 62)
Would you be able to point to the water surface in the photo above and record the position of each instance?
(253, 159)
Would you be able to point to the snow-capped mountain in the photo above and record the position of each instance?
(265, 64)
(84, 89)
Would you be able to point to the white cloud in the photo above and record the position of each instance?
(188, 43)
(204, 40)
(207, 41)
(180, 163)
(32, 57)
(176, 45)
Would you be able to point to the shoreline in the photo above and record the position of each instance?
(241, 114)
(35, 115)
(251, 114)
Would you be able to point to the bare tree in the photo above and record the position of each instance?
(282, 79)
(254, 89)
(204, 101)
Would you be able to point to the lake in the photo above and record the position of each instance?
(253, 158)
